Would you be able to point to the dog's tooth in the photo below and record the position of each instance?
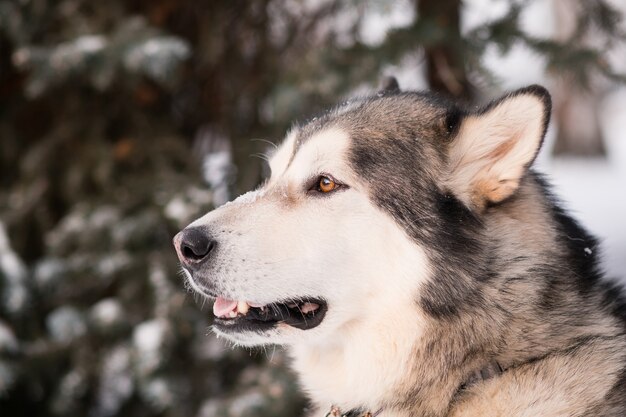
(232, 314)
(255, 305)
(243, 307)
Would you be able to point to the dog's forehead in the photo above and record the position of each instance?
(283, 155)
(324, 149)
(378, 122)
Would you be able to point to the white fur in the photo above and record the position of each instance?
(280, 159)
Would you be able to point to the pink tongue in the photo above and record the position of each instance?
(223, 306)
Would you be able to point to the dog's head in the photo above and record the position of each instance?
(360, 203)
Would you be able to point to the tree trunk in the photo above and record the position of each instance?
(575, 110)
(445, 64)
(578, 122)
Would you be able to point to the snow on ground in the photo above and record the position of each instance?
(594, 190)
(594, 193)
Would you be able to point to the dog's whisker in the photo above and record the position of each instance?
(260, 156)
(265, 141)
(271, 358)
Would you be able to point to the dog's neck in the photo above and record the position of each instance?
(353, 371)
(335, 381)
(404, 361)
(492, 369)
(393, 363)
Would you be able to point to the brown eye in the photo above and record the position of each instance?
(326, 185)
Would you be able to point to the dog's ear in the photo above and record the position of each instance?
(494, 146)
(389, 84)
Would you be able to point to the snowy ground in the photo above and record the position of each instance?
(595, 190)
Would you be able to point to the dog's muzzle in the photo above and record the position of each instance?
(196, 247)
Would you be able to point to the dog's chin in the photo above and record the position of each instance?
(251, 339)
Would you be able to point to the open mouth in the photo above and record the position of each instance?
(237, 316)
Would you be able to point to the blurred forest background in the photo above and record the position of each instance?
(121, 121)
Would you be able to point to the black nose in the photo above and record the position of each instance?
(194, 246)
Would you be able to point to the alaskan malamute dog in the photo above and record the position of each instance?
(414, 265)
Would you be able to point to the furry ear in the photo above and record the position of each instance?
(389, 84)
(494, 146)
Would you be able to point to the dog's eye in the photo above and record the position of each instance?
(323, 184)
(326, 185)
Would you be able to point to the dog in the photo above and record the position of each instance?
(414, 264)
